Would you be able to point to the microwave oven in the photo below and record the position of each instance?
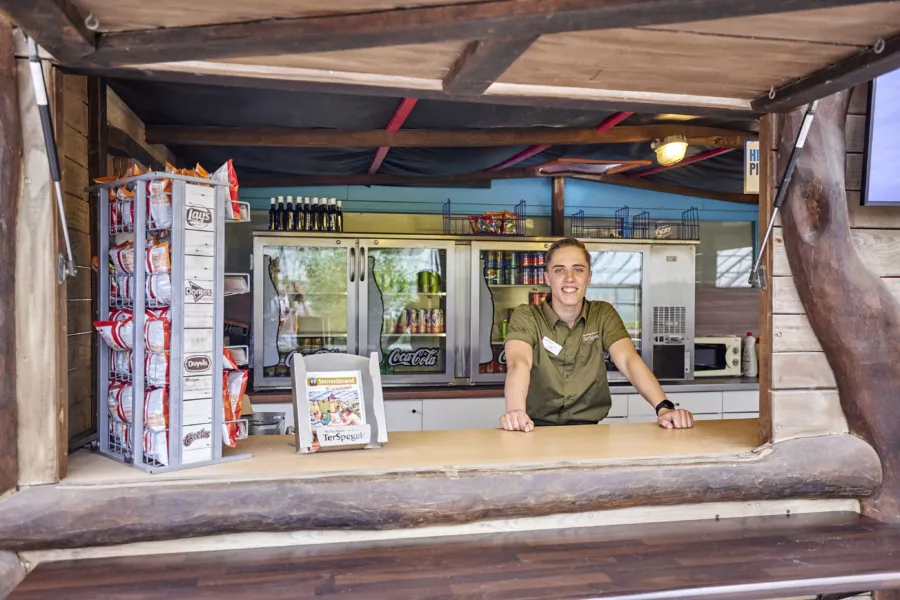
(717, 356)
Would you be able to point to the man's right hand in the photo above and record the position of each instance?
(516, 420)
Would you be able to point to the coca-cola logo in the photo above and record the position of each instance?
(502, 358)
(194, 436)
(197, 364)
(198, 216)
(423, 357)
(326, 351)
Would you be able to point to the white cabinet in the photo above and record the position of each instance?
(741, 415)
(704, 403)
(462, 413)
(619, 406)
(403, 415)
(741, 402)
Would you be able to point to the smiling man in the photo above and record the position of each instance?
(556, 374)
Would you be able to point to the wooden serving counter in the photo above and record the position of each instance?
(430, 451)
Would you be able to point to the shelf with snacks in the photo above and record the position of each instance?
(171, 391)
(500, 224)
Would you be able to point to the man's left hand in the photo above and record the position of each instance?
(675, 419)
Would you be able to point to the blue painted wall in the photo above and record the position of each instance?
(596, 199)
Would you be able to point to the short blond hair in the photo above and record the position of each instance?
(566, 243)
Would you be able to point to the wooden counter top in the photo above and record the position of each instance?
(429, 451)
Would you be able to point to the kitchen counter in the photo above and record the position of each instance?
(706, 384)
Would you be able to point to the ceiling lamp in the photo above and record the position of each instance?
(670, 150)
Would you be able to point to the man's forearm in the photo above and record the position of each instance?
(643, 380)
(518, 377)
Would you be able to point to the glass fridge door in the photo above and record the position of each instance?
(504, 276)
(406, 301)
(304, 296)
(617, 277)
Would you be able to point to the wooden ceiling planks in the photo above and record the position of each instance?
(127, 15)
(427, 61)
(852, 25)
(669, 61)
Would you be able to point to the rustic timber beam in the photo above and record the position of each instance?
(63, 516)
(482, 62)
(434, 138)
(10, 174)
(123, 145)
(558, 206)
(421, 25)
(256, 180)
(668, 188)
(224, 75)
(846, 74)
(54, 24)
(853, 314)
(605, 125)
(705, 155)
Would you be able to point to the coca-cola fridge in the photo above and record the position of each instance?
(356, 295)
(506, 275)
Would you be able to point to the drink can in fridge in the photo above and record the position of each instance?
(329, 341)
(509, 260)
(492, 276)
(424, 281)
(506, 276)
(526, 275)
(504, 329)
(402, 321)
(534, 297)
(437, 316)
(526, 259)
(515, 276)
(422, 325)
(539, 259)
(413, 316)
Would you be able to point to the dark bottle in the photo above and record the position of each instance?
(322, 215)
(279, 214)
(272, 214)
(298, 215)
(326, 217)
(289, 224)
(340, 217)
(314, 215)
(332, 215)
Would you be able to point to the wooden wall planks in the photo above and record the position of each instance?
(800, 372)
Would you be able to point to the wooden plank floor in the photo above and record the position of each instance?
(777, 556)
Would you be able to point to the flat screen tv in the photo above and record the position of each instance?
(881, 161)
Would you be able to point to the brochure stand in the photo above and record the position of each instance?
(356, 375)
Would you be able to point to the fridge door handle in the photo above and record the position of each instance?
(362, 264)
(352, 258)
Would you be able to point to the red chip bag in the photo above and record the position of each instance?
(118, 335)
(156, 368)
(228, 362)
(156, 409)
(156, 446)
(226, 173)
(234, 384)
(157, 334)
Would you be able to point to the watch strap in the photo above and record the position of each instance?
(665, 404)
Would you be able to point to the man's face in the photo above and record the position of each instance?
(568, 276)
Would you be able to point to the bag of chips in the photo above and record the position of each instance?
(156, 369)
(118, 335)
(157, 258)
(234, 384)
(118, 331)
(156, 446)
(157, 333)
(156, 409)
(228, 362)
(226, 173)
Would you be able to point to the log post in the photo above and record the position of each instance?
(851, 311)
(558, 207)
(10, 169)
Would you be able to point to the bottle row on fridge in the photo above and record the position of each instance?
(308, 214)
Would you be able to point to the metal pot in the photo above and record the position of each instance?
(266, 423)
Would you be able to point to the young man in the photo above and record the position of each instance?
(556, 374)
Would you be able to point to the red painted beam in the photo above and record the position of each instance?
(396, 122)
(686, 161)
(607, 124)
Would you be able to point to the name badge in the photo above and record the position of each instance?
(551, 346)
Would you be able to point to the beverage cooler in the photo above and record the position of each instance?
(651, 287)
(354, 295)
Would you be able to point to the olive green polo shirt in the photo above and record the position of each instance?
(571, 385)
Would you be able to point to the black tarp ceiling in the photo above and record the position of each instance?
(161, 103)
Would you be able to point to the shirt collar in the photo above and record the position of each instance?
(553, 318)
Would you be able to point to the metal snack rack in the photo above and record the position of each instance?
(640, 227)
(193, 430)
(462, 224)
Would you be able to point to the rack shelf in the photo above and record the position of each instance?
(640, 227)
(462, 224)
(405, 334)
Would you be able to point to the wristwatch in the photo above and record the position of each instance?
(665, 404)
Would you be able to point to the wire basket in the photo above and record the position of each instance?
(640, 226)
(621, 228)
(687, 229)
(514, 225)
